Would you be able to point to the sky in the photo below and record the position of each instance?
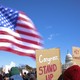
(58, 21)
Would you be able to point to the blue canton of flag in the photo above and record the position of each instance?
(8, 18)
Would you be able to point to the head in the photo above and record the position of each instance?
(6, 77)
(72, 73)
(14, 71)
(1, 77)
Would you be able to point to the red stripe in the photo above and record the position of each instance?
(25, 26)
(17, 52)
(21, 12)
(28, 34)
(16, 44)
(22, 39)
(21, 18)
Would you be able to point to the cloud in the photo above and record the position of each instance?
(51, 36)
(6, 68)
(49, 27)
(12, 64)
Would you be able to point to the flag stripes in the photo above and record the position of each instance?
(23, 40)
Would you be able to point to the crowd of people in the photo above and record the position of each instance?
(16, 74)
(70, 71)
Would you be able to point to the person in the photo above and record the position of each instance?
(72, 73)
(68, 63)
(1, 77)
(15, 74)
(25, 76)
(32, 77)
(6, 77)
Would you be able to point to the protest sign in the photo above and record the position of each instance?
(76, 55)
(48, 64)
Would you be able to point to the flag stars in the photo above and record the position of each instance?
(15, 16)
(1, 14)
(2, 22)
(6, 9)
(6, 21)
(2, 18)
(3, 10)
(8, 17)
(10, 14)
(11, 10)
(16, 12)
(4, 25)
(12, 29)
(8, 24)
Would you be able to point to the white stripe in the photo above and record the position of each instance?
(31, 38)
(9, 31)
(16, 48)
(26, 17)
(5, 44)
(26, 23)
(19, 35)
(27, 30)
(11, 38)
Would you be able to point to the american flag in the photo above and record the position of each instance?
(18, 34)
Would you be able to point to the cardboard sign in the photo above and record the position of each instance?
(76, 55)
(48, 64)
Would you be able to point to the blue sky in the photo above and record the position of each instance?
(58, 21)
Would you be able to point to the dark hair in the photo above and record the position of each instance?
(11, 79)
(1, 77)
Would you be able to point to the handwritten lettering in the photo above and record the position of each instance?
(43, 60)
(77, 58)
(47, 69)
